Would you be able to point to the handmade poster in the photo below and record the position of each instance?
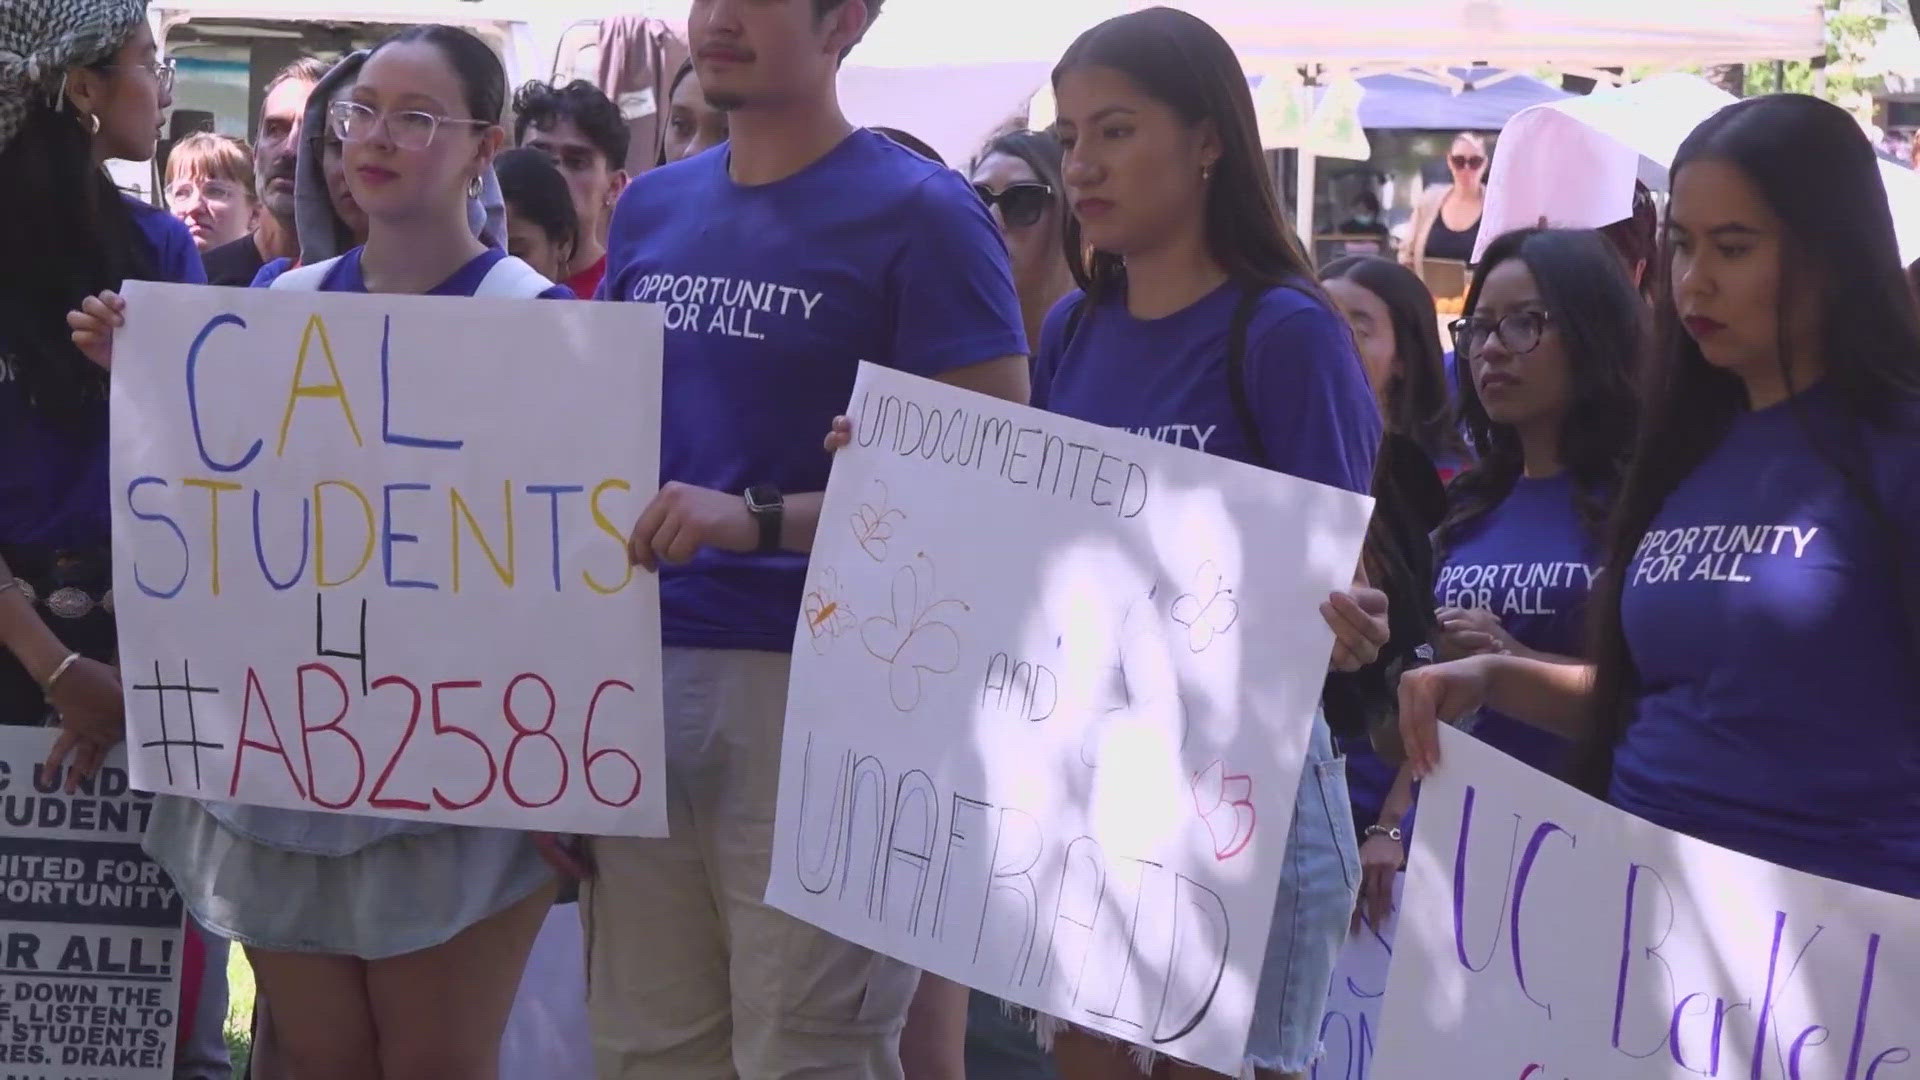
(1350, 1030)
(90, 949)
(370, 555)
(1546, 935)
(1051, 693)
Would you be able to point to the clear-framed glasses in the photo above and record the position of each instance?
(410, 129)
(161, 70)
(181, 192)
(1519, 331)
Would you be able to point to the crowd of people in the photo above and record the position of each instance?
(1673, 560)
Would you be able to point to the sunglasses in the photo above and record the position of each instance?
(1021, 205)
(1463, 161)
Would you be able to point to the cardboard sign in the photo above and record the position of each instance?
(1050, 701)
(1548, 935)
(90, 938)
(370, 555)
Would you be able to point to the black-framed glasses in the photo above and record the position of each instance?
(410, 129)
(161, 70)
(1021, 205)
(1519, 331)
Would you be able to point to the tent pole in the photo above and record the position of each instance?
(1304, 185)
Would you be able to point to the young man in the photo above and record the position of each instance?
(804, 248)
(275, 148)
(587, 138)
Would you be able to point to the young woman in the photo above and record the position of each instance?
(1446, 223)
(1391, 314)
(1174, 233)
(390, 949)
(1019, 178)
(693, 124)
(1552, 336)
(1758, 621)
(542, 228)
(210, 188)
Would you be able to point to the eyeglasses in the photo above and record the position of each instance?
(1519, 331)
(409, 129)
(161, 70)
(1021, 205)
(183, 192)
(1467, 161)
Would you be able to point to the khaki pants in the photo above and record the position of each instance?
(690, 975)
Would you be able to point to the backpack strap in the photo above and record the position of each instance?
(512, 279)
(1237, 372)
(305, 278)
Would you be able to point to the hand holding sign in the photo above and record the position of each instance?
(93, 326)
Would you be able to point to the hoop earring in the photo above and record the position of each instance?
(473, 188)
(92, 123)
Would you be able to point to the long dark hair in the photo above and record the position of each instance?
(1816, 171)
(1601, 321)
(1417, 401)
(534, 189)
(68, 235)
(1181, 61)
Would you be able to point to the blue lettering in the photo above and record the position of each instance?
(193, 398)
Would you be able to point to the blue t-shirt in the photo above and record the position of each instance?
(772, 294)
(53, 473)
(1767, 614)
(1166, 379)
(345, 277)
(1530, 562)
(270, 271)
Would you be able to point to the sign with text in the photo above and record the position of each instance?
(370, 555)
(1051, 693)
(1548, 935)
(1350, 1028)
(90, 942)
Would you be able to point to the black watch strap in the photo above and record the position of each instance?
(768, 508)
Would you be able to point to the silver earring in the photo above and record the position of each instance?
(93, 123)
(473, 188)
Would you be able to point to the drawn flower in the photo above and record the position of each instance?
(910, 640)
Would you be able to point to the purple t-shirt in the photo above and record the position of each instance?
(53, 474)
(345, 276)
(1530, 561)
(1166, 379)
(772, 295)
(1769, 614)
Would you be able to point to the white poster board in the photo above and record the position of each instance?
(1350, 1030)
(1051, 693)
(1547, 935)
(370, 555)
(90, 939)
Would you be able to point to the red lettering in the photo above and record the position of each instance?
(594, 757)
(334, 726)
(441, 727)
(413, 721)
(278, 748)
(522, 733)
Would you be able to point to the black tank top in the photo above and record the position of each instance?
(1445, 243)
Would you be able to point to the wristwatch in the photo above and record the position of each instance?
(768, 507)
(1391, 832)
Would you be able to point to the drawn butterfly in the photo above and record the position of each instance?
(1209, 610)
(826, 612)
(911, 641)
(873, 524)
(1225, 803)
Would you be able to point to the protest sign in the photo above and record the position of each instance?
(1546, 935)
(90, 949)
(370, 555)
(1051, 693)
(1350, 1030)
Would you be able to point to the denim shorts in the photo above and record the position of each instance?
(1319, 883)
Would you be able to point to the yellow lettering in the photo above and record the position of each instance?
(336, 389)
(320, 534)
(601, 521)
(213, 488)
(461, 509)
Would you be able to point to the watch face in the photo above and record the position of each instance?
(761, 498)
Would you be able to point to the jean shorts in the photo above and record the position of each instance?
(1319, 884)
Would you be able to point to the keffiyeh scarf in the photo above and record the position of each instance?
(41, 39)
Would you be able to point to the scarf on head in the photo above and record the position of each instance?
(41, 39)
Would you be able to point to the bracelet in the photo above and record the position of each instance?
(65, 665)
(1391, 832)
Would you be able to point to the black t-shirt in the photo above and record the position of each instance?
(233, 263)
